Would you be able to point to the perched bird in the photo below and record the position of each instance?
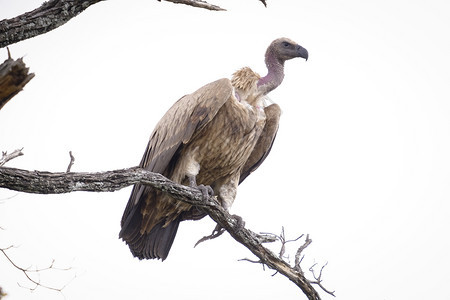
(211, 139)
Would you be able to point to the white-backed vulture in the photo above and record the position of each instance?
(211, 139)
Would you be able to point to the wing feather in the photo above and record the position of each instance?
(265, 141)
(180, 123)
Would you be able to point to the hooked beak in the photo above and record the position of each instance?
(302, 52)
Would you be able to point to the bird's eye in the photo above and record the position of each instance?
(286, 44)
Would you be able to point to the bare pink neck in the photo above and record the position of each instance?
(275, 74)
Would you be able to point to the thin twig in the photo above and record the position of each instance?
(7, 157)
(254, 262)
(282, 239)
(7, 198)
(26, 271)
(72, 160)
(198, 3)
(299, 259)
(318, 279)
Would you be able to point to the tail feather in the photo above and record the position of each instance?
(155, 244)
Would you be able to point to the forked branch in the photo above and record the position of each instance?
(7, 157)
(28, 271)
(299, 256)
(57, 183)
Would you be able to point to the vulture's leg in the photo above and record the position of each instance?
(227, 194)
(206, 190)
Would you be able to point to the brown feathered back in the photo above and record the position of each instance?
(176, 128)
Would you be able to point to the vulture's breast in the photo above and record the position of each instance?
(224, 145)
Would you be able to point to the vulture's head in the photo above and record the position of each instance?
(278, 52)
(284, 49)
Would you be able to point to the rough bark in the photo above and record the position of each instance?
(13, 77)
(56, 183)
(54, 13)
(48, 16)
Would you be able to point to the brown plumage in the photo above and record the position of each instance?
(214, 137)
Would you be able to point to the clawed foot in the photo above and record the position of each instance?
(206, 190)
(218, 230)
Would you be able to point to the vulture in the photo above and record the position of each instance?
(211, 139)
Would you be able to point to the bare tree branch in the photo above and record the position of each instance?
(26, 271)
(56, 183)
(7, 157)
(319, 279)
(13, 77)
(72, 161)
(54, 13)
(298, 257)
(48, 16)
(282, 239)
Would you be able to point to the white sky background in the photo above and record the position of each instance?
(361, 161)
